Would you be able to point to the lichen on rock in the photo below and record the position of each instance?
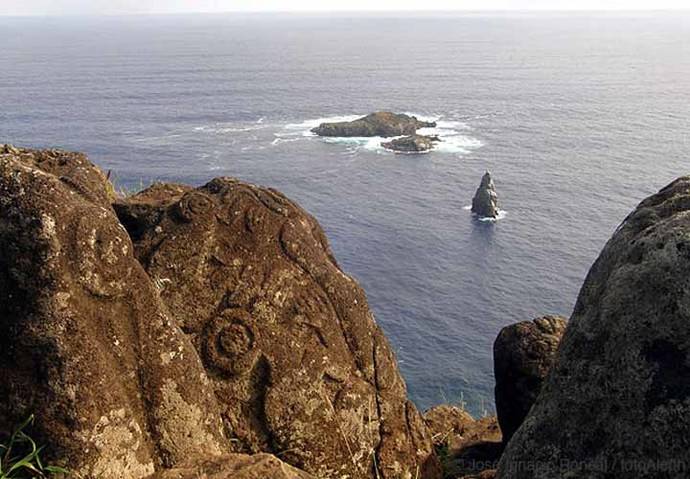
(295, 357)
(617, 402)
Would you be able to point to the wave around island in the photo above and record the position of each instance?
(501, 214)
(453, 134)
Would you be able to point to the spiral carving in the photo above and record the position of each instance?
(230, 342)
(194, 205)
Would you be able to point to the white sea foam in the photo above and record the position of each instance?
(280, 140)
(224, 128)
(501, 214)
(304, 128)
(453, 134)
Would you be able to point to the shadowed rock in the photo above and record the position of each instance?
(412, 144)
(296, 360)
(485, 201)
(87, 346)
(235, 466)
(617, 402)
(468, 447)
(383, 124)
(523, 355)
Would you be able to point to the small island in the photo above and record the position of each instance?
(383, 123)
(485, 201)
(412, 144)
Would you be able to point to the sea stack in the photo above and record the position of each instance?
(485, 201)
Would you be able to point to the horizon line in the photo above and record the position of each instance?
(347, 11)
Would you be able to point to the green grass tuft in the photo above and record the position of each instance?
(20, 457)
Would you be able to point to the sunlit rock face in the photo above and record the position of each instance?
(294, 355)
(88, 348)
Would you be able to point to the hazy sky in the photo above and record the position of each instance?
(53, 7)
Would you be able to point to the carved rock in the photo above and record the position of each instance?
(297, 362)
(117, 389)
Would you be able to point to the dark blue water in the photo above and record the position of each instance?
(578, 118)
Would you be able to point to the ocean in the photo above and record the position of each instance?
(577, 116)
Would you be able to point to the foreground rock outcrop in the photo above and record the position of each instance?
(244, 336)
(294, 355)
(468, 447)
(617, 402)
(412, 144)
(485, 201)
(524, 354)
(87, 346)
(384, 123)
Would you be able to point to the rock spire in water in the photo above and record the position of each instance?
(485, 201)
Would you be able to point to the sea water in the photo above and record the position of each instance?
(578, 117)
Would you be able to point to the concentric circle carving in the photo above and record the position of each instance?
(230, 342)
(194, 205)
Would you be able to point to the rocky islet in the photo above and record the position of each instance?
(155, 336)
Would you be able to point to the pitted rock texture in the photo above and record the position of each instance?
(383, 123)
(296, 359)
(412, 144)
(617, 402)
(468, 447)
(117, 389)
(235, 466)
(485, 201)
(523, 355)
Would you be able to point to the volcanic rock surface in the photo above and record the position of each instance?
(468, 447)
(385, 124)
(485, 201)
(116, 387)
(523, 355)
(617, 402)
(235, 466)
(412, 144)
(294, 355)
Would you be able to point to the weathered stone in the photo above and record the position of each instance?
(485, 201)
(412, 144)
(523, 355)
(117, 389)
(383, 124)
(71, 168)
(235, 466)
(466, 446)
(295, 357)
(617, 402)
(488, 474)
(445, 421)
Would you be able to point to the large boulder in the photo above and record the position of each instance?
(412, 144)
(383, 123)
(523, 355)
(617, 402)
(485, 201)
(296, 360)
(117, 389)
